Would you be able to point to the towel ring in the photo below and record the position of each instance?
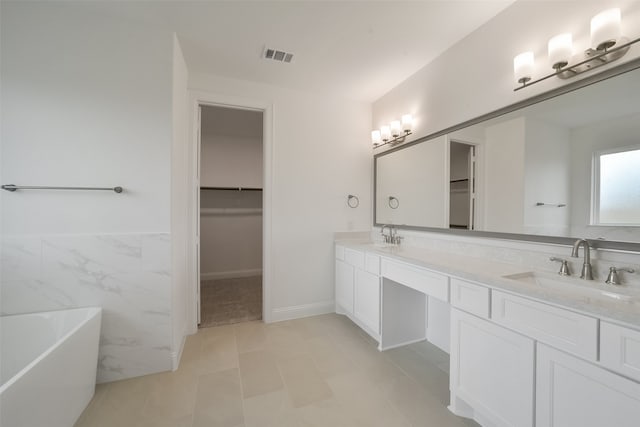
(393, 202)
(353, 201)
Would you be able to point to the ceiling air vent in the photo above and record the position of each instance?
(277, 55)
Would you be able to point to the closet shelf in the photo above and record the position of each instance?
(230, 211)
(232, 188)
(459, 180)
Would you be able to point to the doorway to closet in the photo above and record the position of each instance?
(230, 225)
(462, 185)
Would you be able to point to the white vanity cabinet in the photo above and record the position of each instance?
(492, 371)
(516, 361)
(366, 306)
(560, 328)
(620, 349)
(357, 288)
(571, 392)
(345, 279)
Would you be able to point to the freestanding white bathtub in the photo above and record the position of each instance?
(48, 364)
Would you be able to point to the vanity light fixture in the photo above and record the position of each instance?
(560, 50)
(394, 133)
(607, 45)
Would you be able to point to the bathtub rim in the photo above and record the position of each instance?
(92, 312)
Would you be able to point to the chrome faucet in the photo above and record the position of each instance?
(564, 266)
(392, 237)
(613, 279)
(586, 273)
(387, 237)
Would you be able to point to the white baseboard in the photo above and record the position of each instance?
(299, 311)
(402, 344)
(177, 355)
(231, 274)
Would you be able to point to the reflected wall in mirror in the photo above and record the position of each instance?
(411, 185)
(565, 167)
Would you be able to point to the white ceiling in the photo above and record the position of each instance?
(358, 49)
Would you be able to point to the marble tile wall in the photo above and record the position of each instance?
(128, 275)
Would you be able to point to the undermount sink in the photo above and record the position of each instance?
(586, 289)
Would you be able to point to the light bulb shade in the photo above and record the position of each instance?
(560, 50)
(605, 29)
(385, 133)
(395, 128)
(375, 137)
(407, 123)
(523, 67)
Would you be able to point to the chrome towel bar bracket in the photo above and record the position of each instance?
(12, 188)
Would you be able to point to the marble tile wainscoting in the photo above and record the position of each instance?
(128, 275)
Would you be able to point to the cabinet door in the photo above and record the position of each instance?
(557, 327)
(367, 300)
(492, 370)
(344, 287)
(571, 392)
(620, 349)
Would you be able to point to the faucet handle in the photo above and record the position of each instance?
(564, 266)
(612, 278)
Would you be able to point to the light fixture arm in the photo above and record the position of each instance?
(594, 58)
(397, 140)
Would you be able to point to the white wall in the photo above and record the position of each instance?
(546, 179)
(321, 154)
(231, 148)
(503, 198)
(420, 185)
(89, 105)
(180, 200)
(86, 101)
(231, 244)
(475, 76)
(462, 84)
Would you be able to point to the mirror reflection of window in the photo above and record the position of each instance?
(617, 189)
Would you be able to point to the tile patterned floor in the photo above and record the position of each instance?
(318, 371)
(227, 301)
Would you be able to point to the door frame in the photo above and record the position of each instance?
(201, 98)
(476, 173)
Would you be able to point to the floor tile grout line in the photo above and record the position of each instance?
(244, 412)
(383, 394)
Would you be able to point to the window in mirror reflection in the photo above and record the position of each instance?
(617, 189)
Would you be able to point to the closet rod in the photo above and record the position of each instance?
(12, 187)
(231, 188)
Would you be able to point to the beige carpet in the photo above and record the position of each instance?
(227, 301)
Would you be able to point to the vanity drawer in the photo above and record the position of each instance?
(563, 329)
(354, 258)
(425, 281)
(340, 252)
(620, 349)
(372, 264)
(472, 298)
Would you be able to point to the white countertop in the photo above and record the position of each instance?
(490, 273)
